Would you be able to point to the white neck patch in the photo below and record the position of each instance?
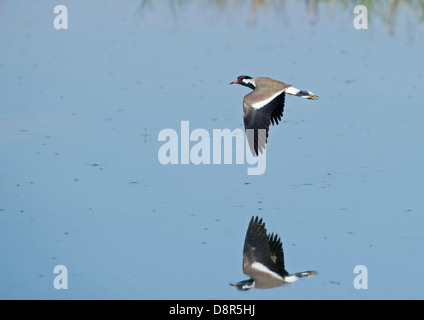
(247, 81)
(248, 286)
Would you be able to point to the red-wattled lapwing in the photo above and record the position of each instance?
(265, 105)
(263, 260)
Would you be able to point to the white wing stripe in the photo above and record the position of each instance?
(260, 267)
(262, 103)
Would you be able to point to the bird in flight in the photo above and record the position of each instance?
(263, 106)
(263, 259)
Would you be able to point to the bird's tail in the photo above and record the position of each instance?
(305, 274)
(301, 93)
(296, 276)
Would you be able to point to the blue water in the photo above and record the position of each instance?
(80, 180)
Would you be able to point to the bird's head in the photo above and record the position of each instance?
(245, 81)
(244, 285)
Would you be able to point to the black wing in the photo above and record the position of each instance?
(257, 246)
(256, 119)
(277, 253)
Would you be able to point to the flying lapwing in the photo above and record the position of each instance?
(263, 259)
(265, 105)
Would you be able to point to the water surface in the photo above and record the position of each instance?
(81, 184)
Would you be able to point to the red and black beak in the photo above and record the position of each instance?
(243, 285)
(235, 285)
